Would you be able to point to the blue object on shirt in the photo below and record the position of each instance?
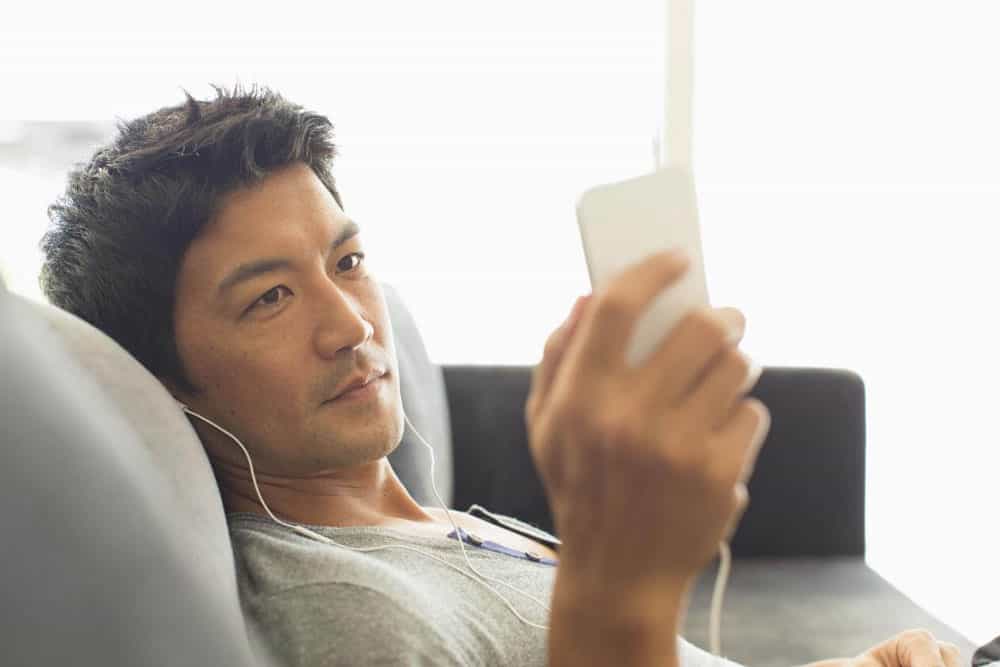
(499, 548)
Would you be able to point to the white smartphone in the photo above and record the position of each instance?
(623, 223)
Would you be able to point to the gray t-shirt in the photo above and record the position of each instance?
(317, 604)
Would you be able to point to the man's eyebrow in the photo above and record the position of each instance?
(257, 267)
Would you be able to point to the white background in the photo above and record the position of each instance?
(846, 157)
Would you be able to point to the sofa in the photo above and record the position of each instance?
(116, 550)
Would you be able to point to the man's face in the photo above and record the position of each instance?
(276, 311)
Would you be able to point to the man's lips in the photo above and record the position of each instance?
(359, 385)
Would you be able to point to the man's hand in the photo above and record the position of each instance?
(645, 468)
(913, 648)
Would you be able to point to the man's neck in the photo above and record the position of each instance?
(368, 495)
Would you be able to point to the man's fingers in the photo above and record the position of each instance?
(913, 648)
(951, 654)
(618, 305)
(555, 348)
(738, 443)
(918, 648)
(731, 375)
(686, 358)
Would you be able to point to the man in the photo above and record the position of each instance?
(210, 240)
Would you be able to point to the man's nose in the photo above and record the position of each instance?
(340, 324)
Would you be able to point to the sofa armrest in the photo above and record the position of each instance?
(808, 489)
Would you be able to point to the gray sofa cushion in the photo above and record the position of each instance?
(101, 560)
(425, 403)
(792, 611)
(163, 432)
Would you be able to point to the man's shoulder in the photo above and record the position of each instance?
(272, 560)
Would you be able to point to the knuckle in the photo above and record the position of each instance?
(710, 328)
(950, 648)
(622, 431)
(624, 439)
(759, 412)
(737, 365)
(552, 344)
(612, 305)
(749, 421)
(580, 421)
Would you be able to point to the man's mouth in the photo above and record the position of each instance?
(360, 387)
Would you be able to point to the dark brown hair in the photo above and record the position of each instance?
(120, 230)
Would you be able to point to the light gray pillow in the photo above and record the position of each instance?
(163, 430)
(426, 404)
(109, 556)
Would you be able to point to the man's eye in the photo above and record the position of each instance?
(270, 298)
(359, 255)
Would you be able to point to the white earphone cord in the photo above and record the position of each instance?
(720, 583)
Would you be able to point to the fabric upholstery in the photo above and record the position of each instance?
(814, 453)
(780, 612)
(425, 403)
(104, 559)
(163, 431)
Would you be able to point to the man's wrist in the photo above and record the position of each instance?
(628, 628)
(580, 588)
(597, 638)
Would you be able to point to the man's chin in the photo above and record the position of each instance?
(358, 447)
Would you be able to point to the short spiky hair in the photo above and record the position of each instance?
(119, 232)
